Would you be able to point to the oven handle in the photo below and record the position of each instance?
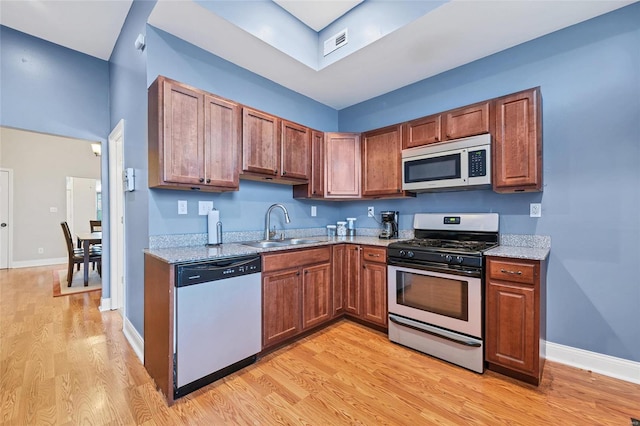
(427, 266)
(398, 321)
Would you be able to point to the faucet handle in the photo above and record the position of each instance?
(272, 233)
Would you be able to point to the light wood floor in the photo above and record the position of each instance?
(64, 362)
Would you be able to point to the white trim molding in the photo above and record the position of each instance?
(40, 262)
(133, 337)
(607, 365)
(105, 304)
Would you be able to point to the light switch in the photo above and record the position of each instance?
(204, 207)
(53, 210)
(182, 206)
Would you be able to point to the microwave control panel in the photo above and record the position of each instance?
(478, 163)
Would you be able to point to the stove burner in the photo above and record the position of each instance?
(448, 244)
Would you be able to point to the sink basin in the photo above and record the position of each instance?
(279, 243)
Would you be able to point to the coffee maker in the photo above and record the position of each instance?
(389, 225)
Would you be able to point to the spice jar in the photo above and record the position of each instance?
(341, 229)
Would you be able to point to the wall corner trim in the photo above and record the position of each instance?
(105, 305)
(133, 337)
(607, 365)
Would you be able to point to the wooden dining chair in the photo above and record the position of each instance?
(76, 256)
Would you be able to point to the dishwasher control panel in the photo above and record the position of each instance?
(195, 273)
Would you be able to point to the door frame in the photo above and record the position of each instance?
(9, 215)
(117, 258)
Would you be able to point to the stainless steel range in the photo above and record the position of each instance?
(436, 286)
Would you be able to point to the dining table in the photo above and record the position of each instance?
(86, 239)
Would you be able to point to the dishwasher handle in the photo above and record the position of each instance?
(196, 273)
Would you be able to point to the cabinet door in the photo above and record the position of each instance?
(317, 165)
(260, 142)
(222, 142)
(374, 292)
(381, 161)
(343, 165)
(183, 152)
(511, 333)
(352, 280)
(338, 266)
(280, 306)
(295, 151)
(316, 295)
(467, 121)
(422, 131)
(517, 164)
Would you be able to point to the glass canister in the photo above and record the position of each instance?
(341, 229)
(351, 227)
(331, 231)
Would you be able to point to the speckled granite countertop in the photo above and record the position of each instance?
(530, 253)
(200, 252)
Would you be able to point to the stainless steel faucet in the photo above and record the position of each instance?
(267, 219)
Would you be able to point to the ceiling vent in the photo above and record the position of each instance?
(334, 42)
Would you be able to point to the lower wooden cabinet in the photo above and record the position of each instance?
(296, 293)
(360, 282)
(515, 317)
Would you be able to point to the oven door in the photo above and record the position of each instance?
(449, 301)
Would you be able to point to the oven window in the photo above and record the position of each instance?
(443, 296)
(436, 168)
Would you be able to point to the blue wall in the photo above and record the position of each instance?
(243, 210)
(590, 82)
(128, 84)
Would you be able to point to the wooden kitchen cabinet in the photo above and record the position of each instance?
(351, 280)
(517, 145)
(296, 293)
(315, 187)
(342, 158)
(382, 162)
(515, 317)
(338, 279)
(260, 144)
(374, 285)
(466, 121)
(422, 131)
(194, 138)
(296, 140)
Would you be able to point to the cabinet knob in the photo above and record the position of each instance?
(298, 273)
(284, 173)
(364, 267)
(275, 172)
(201, 180)
(314, 192)
(208, 180)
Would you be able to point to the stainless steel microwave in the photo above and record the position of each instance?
(454, 165)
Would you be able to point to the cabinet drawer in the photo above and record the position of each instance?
(294, 259)
(520, 271)
(374, 254)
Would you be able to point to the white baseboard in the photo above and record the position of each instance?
(105, 305)
(598, 363)
(133, 337)
(39, 262)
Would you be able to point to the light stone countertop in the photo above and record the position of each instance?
(530, 253)
(189, 254)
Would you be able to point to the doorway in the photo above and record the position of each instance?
(116, 218)
(6, 199)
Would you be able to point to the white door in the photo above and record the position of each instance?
(5, 222)
(116, 216)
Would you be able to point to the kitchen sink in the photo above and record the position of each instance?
(280, 243)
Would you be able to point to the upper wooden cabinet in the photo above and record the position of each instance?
(517, 147)
(194, 138)
(315, 186)
(422, 131)
(381, 161)
(260, 143)
(342, 159)
(296, 140)
(467, 121)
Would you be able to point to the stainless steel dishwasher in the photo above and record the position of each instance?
(218, 325)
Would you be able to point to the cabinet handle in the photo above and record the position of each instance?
(504, 271)
(306, 272)
(208, 180)
(275, 172)
(364, 267)
(373, 255)
(201, 180)
(284, 173)
(298, 273)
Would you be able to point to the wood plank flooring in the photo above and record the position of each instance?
(63, 362)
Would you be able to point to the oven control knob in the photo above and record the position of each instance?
(403, 253)
(448, 258)
(459, 260)
(409, 254)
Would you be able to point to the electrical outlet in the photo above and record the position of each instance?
(314, 211)
(370, 211)
(182, 206)
(535, 210)
(204, 207)
(40, 250)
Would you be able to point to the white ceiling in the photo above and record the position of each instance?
(453, 34)
(317, 14)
